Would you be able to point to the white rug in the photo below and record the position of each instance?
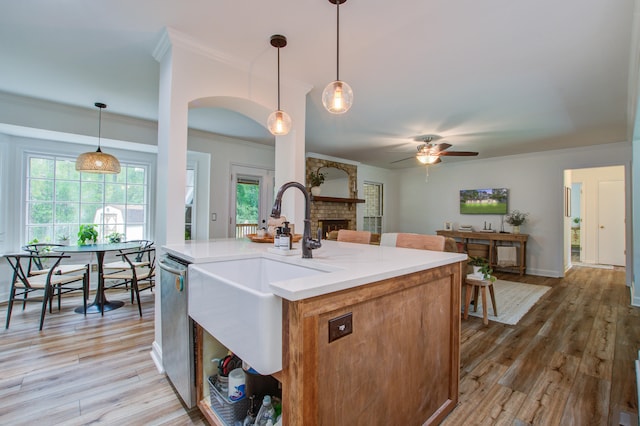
(513, 300)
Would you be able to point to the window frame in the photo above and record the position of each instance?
(68, 151)
(379, 219)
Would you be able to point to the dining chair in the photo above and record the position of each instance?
(136, 273)
(420, 241)
(38, 264)
(121, 264)
(349, 236)
(48, 284)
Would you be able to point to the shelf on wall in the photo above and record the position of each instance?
(337, 199)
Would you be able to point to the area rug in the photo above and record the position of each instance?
(512, 299)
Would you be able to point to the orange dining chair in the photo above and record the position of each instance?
(420, 241)
(349, 236)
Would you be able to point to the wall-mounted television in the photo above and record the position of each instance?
(484, 201)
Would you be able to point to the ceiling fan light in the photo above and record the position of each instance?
(425, 158)
(337, 97)
(279, 123)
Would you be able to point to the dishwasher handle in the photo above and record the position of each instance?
(181, 272)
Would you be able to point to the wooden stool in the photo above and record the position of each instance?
(474, 283)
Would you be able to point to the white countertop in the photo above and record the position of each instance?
(348, 265)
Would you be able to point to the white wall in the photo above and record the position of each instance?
(535, 183)
(225, 152)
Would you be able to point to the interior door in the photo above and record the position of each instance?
(611, 208)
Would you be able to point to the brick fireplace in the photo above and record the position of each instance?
(334, 214)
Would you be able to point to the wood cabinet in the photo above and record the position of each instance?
(493, 239)
(399, 365)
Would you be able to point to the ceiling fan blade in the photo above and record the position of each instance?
(441, 147)
(458, 153)
(404, 159)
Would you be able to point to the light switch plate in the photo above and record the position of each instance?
(340, 326)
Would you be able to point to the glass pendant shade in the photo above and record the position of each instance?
(337, 97)
(279, 123)
(98, 161)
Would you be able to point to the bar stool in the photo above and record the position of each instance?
(475, 284)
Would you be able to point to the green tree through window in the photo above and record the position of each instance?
(59, 199)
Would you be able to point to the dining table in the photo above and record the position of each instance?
(100, 302)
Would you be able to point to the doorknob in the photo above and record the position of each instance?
(601, 226)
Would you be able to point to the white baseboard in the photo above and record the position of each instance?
(156, 356)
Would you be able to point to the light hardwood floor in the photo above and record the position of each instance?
(570, 361)
(93, 370)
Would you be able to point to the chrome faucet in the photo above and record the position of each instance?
(308, 243)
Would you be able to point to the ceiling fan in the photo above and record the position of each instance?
(430, 153)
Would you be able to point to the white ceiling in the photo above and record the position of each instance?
(499, 77)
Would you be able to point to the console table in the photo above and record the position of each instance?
(493, 238)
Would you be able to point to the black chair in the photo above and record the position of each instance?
(37, 265)
(137, 273)
(120, 265)
(48, 284)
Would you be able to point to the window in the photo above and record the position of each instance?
(59, 199)
(372, 220)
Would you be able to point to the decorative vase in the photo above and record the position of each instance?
(315, 191)
(516, 229)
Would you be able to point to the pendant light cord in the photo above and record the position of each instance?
(338, 40)
(278, 79)
(99, 127)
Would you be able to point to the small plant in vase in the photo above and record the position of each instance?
(515, 219)
(115, 237)
(486, 271)
(477, 262)
(315, 180)
(88, 234)
(64, 239)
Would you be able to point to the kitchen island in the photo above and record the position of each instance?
(372, 340)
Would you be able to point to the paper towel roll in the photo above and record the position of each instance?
(236, 384)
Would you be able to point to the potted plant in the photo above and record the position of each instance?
(486, 271)
(477, 262)
(63, 239)
(515, 219)
(87, 235)
(315, 180)
(115, 237)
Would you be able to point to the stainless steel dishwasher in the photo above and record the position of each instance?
(177, 328)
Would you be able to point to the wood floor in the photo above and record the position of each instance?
(570, 361)
(78, 371)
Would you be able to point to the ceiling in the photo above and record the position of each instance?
(498, 77)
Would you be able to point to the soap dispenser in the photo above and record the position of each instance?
(276, 238)
(286, 239)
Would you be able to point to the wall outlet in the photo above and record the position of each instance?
(340, 326)
(94, 267)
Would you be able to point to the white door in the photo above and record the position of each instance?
(611, 207)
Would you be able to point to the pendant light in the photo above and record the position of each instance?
(279, 122)
(337, 97)
(98, 161)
